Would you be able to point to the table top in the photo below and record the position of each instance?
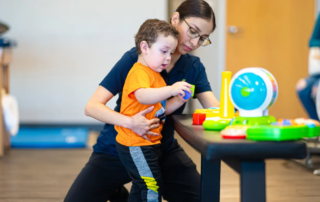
(214, 147)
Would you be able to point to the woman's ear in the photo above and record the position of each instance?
(144, 47)
(175, 18)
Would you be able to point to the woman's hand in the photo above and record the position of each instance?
(141, 125)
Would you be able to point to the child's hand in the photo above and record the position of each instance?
(179, 87)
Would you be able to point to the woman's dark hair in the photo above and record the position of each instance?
(196, 8)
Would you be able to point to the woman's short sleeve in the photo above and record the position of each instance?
(115, 79)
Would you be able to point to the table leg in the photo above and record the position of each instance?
(2, 137)
(253, 181)
(5, 59)
(210, 180)
(6, 86)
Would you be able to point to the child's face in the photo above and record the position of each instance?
(158, 56)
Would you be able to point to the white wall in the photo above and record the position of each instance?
(65, 48)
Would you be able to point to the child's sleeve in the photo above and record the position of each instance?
(138, 78)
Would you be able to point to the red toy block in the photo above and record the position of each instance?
(198, 118)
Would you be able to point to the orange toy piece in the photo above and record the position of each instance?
(198, 118)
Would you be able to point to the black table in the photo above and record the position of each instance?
(246, 157)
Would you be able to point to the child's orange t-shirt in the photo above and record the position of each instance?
(140, 76)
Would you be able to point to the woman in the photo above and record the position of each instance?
(103, 176)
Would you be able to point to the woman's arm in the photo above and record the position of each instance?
(203, 89)
(97, 109)
(207, 99)
(174, 103)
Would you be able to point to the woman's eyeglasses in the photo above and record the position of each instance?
(192, 33)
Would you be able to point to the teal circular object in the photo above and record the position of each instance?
(248, 91)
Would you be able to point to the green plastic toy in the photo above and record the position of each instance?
(276, 133)
(192, 89)
(217, 125)
(253, 121)
(314, 131)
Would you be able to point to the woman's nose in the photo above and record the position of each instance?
(195, 41)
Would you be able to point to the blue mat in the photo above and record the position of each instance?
(47, 138)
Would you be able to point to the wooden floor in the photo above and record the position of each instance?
(46, 175)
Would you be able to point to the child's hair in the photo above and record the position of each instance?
(151, 29)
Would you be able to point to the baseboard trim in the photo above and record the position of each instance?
(91, 127)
